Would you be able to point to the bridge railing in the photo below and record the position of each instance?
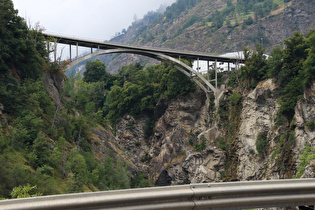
(233, 195)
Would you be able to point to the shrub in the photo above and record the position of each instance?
(261, 144)
(201, 146)
(146, 158)
(310, 124)
(235, 98)
(222, 144)
(306, 156)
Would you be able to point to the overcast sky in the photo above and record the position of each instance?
(94, 19)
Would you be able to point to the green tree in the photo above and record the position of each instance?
(290, 78)
(24, 191)
(293, 57)
(275, 62)
(95, 71)
(122, 175)
(77, 165)
(108, 173)
(41, 150)
(28, 126)
(58, 157)
(20, 49)
(309, 64)
(255, 68)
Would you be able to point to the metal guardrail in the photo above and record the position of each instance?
(229, 195)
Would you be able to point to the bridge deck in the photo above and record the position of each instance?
(173, 53)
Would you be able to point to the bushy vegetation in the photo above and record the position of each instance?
(306, 156)
(261, 144)
(234, 16)
(177, 8)
(291, 67)
(229, 121)
(133, 90)
(45, 148)
(137, 90)
(293, 70)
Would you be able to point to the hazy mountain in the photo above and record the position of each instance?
(215, 26)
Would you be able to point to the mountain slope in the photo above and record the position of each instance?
(216, 26)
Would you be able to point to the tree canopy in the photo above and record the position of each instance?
(95, 71)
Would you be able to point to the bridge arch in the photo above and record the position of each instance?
(179, 65)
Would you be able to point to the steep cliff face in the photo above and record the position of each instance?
(170, 156)
(258, 116)
(304, 113)
(305, 130)
(54, 84)
(130, 136)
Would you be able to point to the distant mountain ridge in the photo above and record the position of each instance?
(215, 26)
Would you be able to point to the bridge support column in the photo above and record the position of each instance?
(70, 52)
(55, 52)
(216, 75)
(48, 49)
(208, 72)
(77, 50)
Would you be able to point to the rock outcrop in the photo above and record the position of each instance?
(171, 137)
(206, 166)
(169, 156)
(304, 114)
(54, 84)
(309, 170)
(258, 116)
(198, 167)
(130, 136)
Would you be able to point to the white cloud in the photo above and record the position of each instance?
(95, 19)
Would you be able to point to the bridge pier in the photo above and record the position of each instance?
(55, 52)
(70, 52)
(77, 50)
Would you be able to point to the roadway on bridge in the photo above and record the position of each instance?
(173, 53)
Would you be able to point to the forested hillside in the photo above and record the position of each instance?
(52, 140)
(56, 132)
(216, 26)
(191, 24)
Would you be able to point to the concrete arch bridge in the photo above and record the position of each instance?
(171, 57)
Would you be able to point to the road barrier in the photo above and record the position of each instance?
(225, 195)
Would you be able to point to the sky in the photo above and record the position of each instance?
(91, 19)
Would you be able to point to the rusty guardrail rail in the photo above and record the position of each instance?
(228, 195)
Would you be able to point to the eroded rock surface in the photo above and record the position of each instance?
(258, 114)
(169, 158)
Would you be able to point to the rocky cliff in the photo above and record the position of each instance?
(171, 156)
